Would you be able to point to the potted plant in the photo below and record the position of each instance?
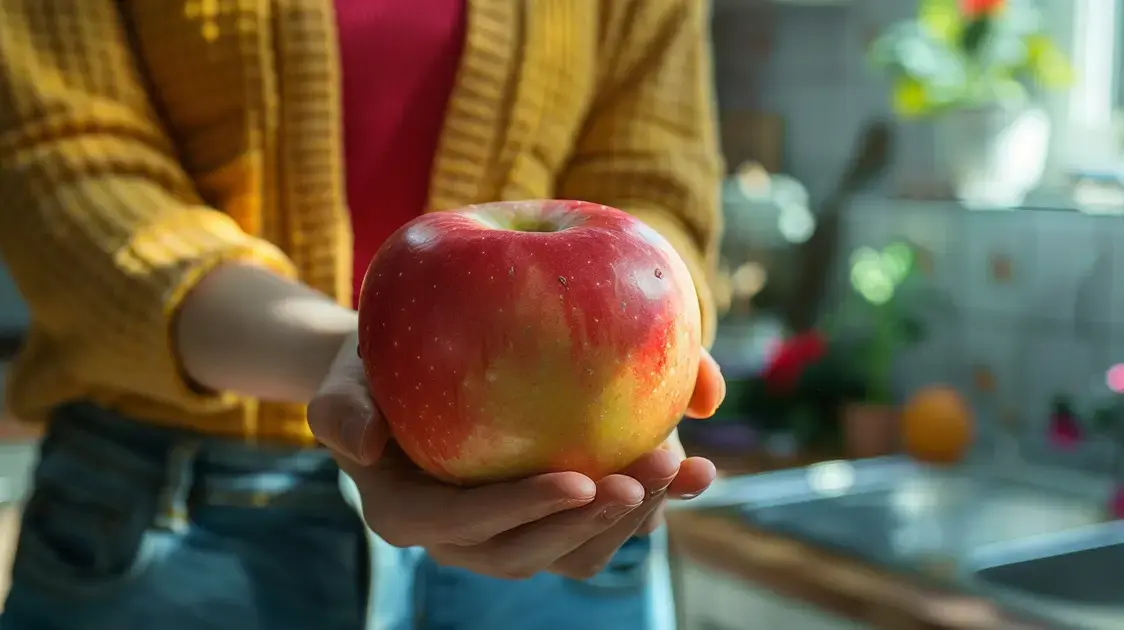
(831, 387)
(977, 67)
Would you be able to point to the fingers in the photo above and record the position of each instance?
(695, 476)
(655, 517)
(656, 472)
(480, 514)
(710, 388)
(653, 521)
(342, 415)
(578, 542)
(407, 508)
(592, 557)
(528, 550)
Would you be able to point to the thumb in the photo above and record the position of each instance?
(710, 388)
(342, 415)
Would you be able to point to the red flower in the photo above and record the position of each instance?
(976, 8)
(1063, 431)
(789, 360)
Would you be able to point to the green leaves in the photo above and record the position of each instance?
(975, 34)
(946, 59)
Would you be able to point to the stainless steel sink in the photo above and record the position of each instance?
(1083, 566)
(1032, 539)
(898, 513)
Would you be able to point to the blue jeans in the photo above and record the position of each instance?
(132, 526)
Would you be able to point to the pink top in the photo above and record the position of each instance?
(399, 61)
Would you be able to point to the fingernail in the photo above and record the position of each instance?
(688, 496)
(660, 489)
(617, 512)
(573, 502)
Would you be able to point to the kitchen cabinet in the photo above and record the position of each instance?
(711, 600)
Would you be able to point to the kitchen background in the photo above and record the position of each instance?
(1026, 304)
(1030, 302)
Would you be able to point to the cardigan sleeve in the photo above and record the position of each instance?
(100, 226)
(649, 145)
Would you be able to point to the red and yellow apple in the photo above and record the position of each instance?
(510, 339)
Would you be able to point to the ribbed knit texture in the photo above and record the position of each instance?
(143, 142)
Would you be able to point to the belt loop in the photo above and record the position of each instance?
(171, 513)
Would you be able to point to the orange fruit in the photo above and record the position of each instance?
(937, 425)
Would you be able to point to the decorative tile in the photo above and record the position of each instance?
(988, 356)
(983, 380)
(1001, 268)
(997, 251)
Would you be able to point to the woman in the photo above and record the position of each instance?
(174, 214)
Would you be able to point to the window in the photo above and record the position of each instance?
(1085, 123)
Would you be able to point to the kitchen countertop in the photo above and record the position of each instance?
(836, 583)
(926, 595)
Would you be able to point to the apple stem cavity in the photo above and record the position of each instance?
(528, 224)
(516, 221)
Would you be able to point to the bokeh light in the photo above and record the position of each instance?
(1114, 378)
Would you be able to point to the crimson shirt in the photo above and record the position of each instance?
(399, 61)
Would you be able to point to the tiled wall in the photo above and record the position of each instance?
(1053, 326)
(808, 63)
(1035, 302)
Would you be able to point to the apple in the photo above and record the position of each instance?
(509, 339)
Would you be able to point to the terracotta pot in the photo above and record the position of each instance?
(869, 430)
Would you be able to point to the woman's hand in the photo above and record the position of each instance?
(564, 523)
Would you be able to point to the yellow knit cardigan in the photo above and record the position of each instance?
(143, 142)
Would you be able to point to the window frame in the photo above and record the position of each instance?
(1083, 116)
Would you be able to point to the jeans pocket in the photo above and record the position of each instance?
(84, 528)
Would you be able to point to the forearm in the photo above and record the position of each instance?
(244, 329)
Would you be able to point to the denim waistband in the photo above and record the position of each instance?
(188, 468)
